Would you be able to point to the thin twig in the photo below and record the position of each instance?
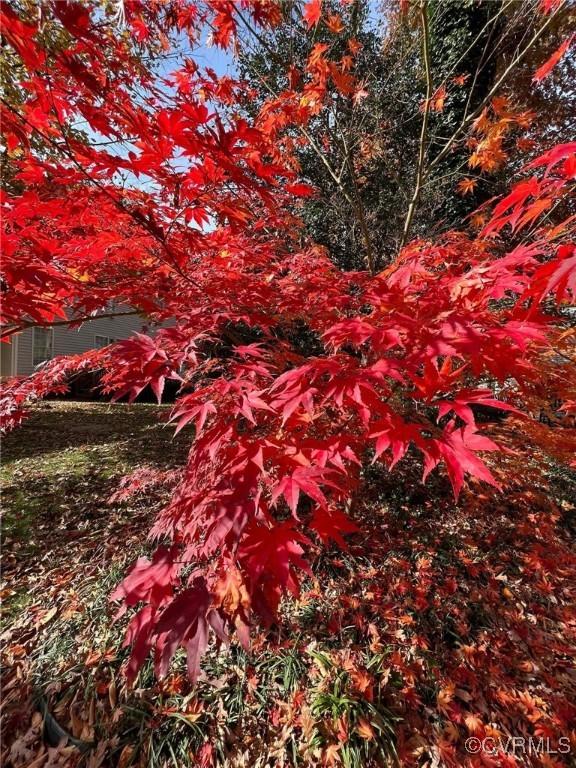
(424, 130)
(135, 215)
(501, 80)
(353, 200)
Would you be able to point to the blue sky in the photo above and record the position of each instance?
(222, 62)
(205, 55)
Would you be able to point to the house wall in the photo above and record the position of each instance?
(7, 358)
(72, 341)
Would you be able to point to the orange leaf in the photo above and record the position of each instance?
(438, 99)
(341, 727)
(125, 756)
(482, 122)
(343, 82)
(467, 186)
(317, 54)
(334, 23)
(331, 756)
(361, 680)
(473, 723)
(445, 696)
(460, 79)
(230, 592)
(354, 46)
(364, 729)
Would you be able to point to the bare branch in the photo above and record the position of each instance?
(424, 130)
(7, 332)
(497, 85)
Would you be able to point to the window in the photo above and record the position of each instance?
(102, 341)
(43, 345)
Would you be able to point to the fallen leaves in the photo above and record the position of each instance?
(468, 634)
(467, 186)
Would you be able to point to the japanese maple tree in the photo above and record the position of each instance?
(131, 187)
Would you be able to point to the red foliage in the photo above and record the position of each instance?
(294, 374)
(543, 71)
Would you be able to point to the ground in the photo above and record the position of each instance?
(440, 623)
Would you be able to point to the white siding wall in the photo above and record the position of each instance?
(6, 358)
(24, 354)
(73, 341)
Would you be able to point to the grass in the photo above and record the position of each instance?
(56, 474)
(378, 663)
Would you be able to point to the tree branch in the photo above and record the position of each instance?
(354, 199)
(424, 130)
(501, 80)
(135, 215)
(87, 318)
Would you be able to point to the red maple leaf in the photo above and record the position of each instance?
(312, 12)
